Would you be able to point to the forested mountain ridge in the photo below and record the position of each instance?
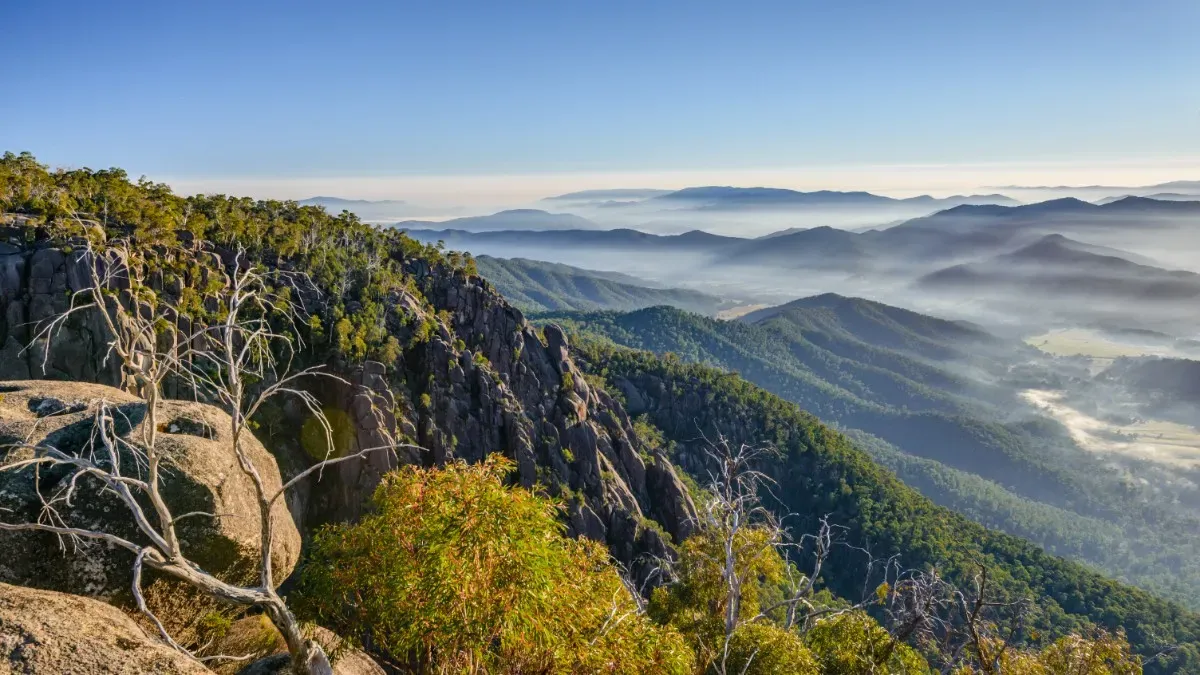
(537, 286)
(820, 472)
(886, 326)
(906, 380)
(463, 375)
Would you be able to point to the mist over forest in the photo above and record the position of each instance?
(416, 338)
(1027, 356)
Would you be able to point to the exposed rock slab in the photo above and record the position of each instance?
(203, 477)
(44, 632)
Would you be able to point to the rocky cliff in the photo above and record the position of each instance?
(481, 381)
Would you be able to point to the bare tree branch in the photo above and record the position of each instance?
(241, 361)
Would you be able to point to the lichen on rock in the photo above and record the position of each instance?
(202, 476)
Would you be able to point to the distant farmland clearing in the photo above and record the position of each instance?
(1102, 349)
(1153, 440)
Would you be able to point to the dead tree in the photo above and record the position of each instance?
(734, 513)
(961, 626)
(235, 361)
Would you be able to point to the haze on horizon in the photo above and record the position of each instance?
(476, 106)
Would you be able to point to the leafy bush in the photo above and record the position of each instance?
(853, 643)
(456, 571)
(766, 649)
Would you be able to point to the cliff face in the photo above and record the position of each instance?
(483, 381)
(35, 285)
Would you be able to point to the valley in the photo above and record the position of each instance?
(403, 338)
(932, 438)
(1156, 441)
(1090, 343)
(975, 351)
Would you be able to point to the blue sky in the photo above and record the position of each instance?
(305, 92)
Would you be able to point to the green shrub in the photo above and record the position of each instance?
(455, 571)
(854, 643)
(766, 649)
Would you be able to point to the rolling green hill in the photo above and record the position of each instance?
(537, 286)
(969, 446)
(820, 472)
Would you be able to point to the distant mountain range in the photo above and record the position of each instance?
(1062, 268)
(513, 219)
(714, 196)
(1100, 193)
(374, 211)
(953, 234)
(975, 231)
(1056, 212)
(723, 198)
(752, 209)
(714, 205)
(1160, 196)
(608, 240)
(619, 194)
(999, 258)
(537, 286)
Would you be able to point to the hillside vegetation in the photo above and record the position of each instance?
(459, 372)
(537, 286)
(821, 472)
(913, 385)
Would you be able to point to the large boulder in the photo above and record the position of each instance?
(203, 476)
(49, 632)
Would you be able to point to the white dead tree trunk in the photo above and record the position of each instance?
(235, 361)
(736, 489)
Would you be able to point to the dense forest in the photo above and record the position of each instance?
(909, 384)
(384, 298)
(821, 472)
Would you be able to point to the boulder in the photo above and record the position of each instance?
(49, 632)
(202, 476)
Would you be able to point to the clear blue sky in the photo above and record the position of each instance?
(352, 88)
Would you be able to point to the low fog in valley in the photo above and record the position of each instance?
(587, 338)
(1080, 306)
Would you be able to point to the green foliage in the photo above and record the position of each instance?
(697, 603)
(391, 351)
(1097, 653)
(855, 644)
(652, 437)
(825, 474)
(361, 269)
(454, 571)
(766, 649)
